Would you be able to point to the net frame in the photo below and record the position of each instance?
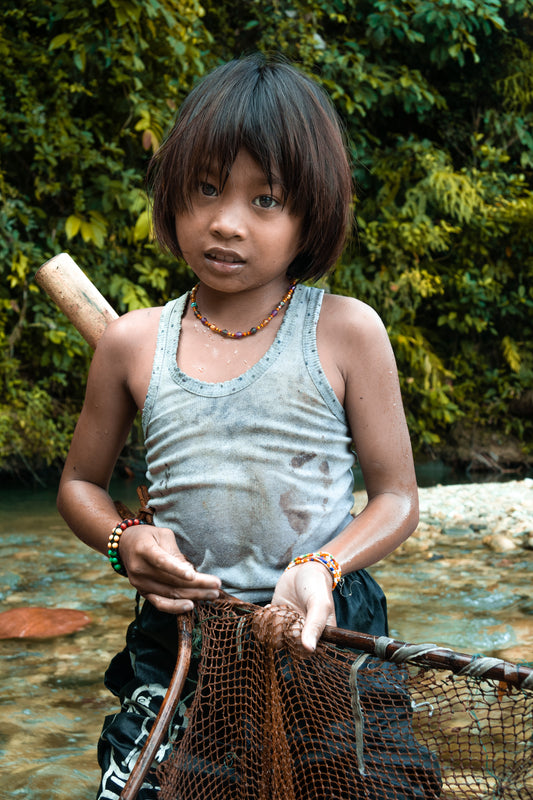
(501, 690)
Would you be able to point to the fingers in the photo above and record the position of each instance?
(163, 570)
(191, 591)
(161, 573)
(172, 564)
(175, 595)
(315, 622)
(170, 606)
(170, 599)
(307, 588)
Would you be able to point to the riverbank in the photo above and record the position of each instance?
(464, 577)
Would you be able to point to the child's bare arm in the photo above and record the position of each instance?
(356, 354)
(154, 563)
(377, 422)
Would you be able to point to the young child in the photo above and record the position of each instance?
(252, 388)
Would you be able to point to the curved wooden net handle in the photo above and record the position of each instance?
(76, 296)
(166, 712)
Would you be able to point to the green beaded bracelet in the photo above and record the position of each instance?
(114, 539)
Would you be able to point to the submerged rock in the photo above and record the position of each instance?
(41, 623)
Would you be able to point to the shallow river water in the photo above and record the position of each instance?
(454, 583)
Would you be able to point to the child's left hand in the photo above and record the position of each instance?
(307, 589)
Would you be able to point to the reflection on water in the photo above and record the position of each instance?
(52, 699)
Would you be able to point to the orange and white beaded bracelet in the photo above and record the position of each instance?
(322, 557)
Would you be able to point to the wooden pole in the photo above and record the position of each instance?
(432, 656)
(76, 296)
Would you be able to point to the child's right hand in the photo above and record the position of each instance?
(161, 573)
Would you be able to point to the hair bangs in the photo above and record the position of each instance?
(248, 119)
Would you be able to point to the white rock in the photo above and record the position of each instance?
(500, 543)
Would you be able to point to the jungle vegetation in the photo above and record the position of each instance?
(437, 100)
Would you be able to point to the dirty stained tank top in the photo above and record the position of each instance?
(253, 471)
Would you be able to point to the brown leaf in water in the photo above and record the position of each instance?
(41, 623)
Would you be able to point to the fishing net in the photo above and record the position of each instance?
(269, 722)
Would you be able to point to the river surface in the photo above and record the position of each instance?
(451, 584)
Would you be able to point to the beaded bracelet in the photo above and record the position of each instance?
(324, 558)
(114, 539)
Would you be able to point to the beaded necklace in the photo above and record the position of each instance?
(239, 334)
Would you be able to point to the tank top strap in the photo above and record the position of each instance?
(167, 341)
(313, 305)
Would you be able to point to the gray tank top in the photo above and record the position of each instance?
(253, 471)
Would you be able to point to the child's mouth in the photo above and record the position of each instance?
(224, 257)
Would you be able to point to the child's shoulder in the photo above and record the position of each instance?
(351, 340)
(131, 329)
(124, 355)
(349, 316)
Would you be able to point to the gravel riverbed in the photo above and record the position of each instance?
(464, 578)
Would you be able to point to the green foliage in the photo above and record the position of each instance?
(437, 103)
(34, 430)
(436, 98)
(86, 93)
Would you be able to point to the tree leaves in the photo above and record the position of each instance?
(436, 99)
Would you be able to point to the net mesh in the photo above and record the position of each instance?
(268, 722)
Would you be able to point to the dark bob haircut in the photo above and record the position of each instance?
(289, 126)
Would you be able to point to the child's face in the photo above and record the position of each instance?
(240, 236)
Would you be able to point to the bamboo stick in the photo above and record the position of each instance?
(76, 296)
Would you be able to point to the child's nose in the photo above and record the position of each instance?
(229, 221)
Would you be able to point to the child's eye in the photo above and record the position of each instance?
(208, 189)
(266, 201)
